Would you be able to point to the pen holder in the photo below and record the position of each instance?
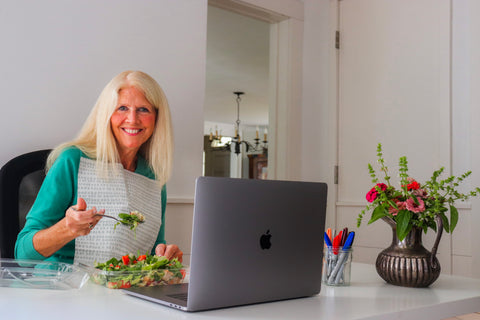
(337, 265)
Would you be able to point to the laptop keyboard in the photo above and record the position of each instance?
(180, 296)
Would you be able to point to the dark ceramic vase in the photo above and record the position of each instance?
(407, 263)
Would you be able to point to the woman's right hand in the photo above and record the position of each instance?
(77, 222)
(80, 221)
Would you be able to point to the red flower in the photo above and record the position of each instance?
(382, 186)
(414, 185)
(373, 193)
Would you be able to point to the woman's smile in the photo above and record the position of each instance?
(133, 120)
(131, 131)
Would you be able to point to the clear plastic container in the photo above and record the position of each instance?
(41, 274)
(140, 278)
(337, 264)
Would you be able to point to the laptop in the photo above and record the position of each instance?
(253, 241)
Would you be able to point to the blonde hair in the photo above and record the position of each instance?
(96, 138)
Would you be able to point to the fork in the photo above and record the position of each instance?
(116, 219)
(107, 216)
(112, 217)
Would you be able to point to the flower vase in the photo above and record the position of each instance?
(406, 262)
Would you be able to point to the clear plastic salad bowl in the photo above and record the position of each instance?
(141, 271)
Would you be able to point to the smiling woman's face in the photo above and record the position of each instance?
(133, 120)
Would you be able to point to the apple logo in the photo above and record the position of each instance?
(265, 240)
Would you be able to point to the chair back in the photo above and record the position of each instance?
(20, 181)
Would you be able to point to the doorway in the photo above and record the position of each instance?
(238, 53)
(285, 79)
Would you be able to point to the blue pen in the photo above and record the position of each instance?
(329, 253)
(349, 241)
(328, 242)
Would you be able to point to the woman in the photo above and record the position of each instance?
(119, 162)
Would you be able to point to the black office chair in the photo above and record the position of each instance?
(20, 180)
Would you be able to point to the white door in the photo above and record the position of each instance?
(394, 88)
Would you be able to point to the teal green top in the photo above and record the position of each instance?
(57, 193)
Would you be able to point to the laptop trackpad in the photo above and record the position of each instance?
(175, 293)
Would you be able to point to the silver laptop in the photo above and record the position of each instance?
(253, 241)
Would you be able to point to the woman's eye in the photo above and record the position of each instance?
(144, 109)
(122, 108)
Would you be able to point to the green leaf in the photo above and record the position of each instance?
(453, 218)
(446, 225)
(403, 223)
(378, 212)
(402, 234)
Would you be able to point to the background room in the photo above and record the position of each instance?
(409, 84)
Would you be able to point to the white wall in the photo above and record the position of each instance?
(319, 118)
(472, 81)
(58, 55)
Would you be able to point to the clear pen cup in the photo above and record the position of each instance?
(337, 265)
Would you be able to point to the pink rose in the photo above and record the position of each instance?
(382, 186)
(373, 193)
(412, 206)
(400, 206)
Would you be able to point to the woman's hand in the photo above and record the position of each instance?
(77, 222)
(169, 251)
(80, 221)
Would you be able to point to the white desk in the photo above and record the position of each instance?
(368, 297)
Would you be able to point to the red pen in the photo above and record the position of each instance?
(336, 242)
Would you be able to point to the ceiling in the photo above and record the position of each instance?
(237, 60)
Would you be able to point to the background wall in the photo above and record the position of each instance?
(57, 56)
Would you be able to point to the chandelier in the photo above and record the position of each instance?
(236, 141)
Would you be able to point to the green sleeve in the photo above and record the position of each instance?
(57, 193)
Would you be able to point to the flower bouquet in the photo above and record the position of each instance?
(414, 204)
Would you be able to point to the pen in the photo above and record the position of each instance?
(328, 242)
(346, 246)
(336, 242)
(349, 241)
(328, 234)
(337, 272)
(344, 236)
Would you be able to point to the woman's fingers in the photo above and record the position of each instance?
(169, 251)
(160, 249)
(81, 204)
(81, 221)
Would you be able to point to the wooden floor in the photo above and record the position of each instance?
(470, 316)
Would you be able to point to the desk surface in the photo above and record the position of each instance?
(368, 297)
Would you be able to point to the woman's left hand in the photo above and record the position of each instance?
(169, 251)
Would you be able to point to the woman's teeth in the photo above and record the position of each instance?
(132, 131)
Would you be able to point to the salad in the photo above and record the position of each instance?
(142, 271)
(131, 219)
